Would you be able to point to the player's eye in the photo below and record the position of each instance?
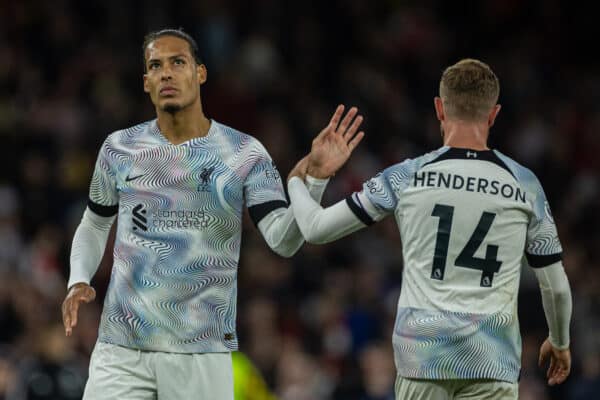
(153, 65)
(179, 61)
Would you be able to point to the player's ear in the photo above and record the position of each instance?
(201, 73)
(146, 87)
(493, 114)
(439, 108)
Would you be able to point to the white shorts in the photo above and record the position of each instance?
(127, 374)
(455, 389)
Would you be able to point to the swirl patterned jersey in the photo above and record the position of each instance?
(467, 219)
(173, 284)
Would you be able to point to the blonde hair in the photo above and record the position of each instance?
(469, 90)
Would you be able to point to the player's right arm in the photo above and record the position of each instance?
(90, 239)
(323, 225)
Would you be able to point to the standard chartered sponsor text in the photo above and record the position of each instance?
(180, 219)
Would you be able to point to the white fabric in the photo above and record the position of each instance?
(455, 389)
(558, 305)
(319, 225)
(88, 246)
(279, 227)
(122, 373)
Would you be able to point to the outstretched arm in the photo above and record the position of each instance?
(330, 150)
(319, 225)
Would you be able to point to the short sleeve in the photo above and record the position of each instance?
(103, 196)
(263, 189)
(376, 200)
(543, 246)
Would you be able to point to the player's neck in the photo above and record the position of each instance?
(466, 135)
(183, 125)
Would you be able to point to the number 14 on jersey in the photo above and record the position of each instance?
(466, 259)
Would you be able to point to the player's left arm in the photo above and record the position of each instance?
(558, 305)
(268, 207)
(279, 228)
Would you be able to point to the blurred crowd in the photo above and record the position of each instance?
(318, 326)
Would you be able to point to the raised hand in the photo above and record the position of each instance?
(560, 363)
(80, 292)
(334, 144)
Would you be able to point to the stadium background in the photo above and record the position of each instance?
(317, 326)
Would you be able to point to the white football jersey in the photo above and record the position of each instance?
(466, 218)
(173, 286)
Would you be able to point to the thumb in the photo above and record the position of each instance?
(89, 295)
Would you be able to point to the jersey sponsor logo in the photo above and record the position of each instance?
(469, 184)
(139, 218)
(471, 154)
(205, 174)
(133, 178)
(168, 219)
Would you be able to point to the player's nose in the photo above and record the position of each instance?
(166, 73)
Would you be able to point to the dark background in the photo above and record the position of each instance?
(318, 325)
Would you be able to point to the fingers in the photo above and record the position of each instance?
(337, 115)
(66, 318)
(73, 310)
(356, 140)
(347, 120)
(333, 123)
(544, 352)
(558, 372)
(70, 308)
(552, 368)
(346, 128)
(353, 128)
(558, 376)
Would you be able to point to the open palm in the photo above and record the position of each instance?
(335, 143)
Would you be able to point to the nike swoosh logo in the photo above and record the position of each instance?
(132, 178)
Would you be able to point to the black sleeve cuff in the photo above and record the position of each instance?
(359, 212)
(259, 211)
(103, 211)
(536, 261)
